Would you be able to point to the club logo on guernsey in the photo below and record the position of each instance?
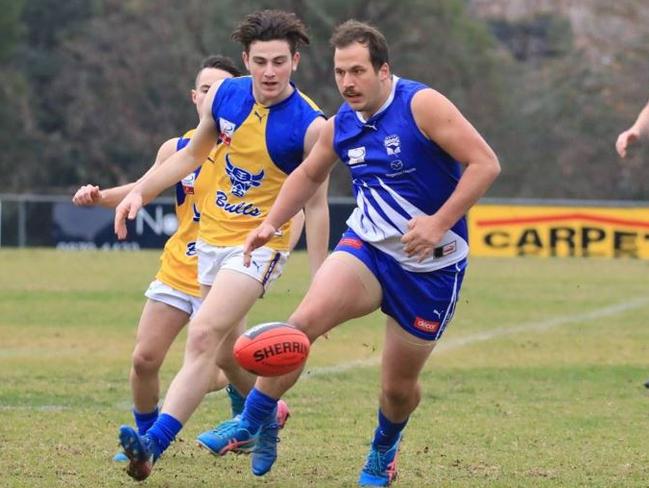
(356, 155)
(392, 145)
(227, 130)
(188, 183)
(241, 181)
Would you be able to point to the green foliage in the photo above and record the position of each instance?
(10, 27)
(109, 81)
(90, 88)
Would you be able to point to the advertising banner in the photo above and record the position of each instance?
(77, 228)
(566, 231)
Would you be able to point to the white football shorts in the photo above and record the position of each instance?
(266, 266)
(161, 292)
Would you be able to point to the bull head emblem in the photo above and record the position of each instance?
(241, 179)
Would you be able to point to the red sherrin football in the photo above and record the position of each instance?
(272, 349)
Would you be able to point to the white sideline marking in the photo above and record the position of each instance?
(444, 346)
(536, 326)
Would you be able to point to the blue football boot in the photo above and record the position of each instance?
(380, 467)
(141, 450)
(230, 435)
(265, 452)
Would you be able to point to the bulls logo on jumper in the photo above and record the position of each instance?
(241, 180)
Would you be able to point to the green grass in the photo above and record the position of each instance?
(551, 396)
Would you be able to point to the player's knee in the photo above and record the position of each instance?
(401, 394)
(146, 362)
(201, 340)
(308, 320)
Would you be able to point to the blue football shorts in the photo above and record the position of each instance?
(421, 303)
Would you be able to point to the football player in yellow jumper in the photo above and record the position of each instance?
(266, 127)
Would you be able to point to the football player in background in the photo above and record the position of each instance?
(174, 295)
(639, 130)
(632, 136)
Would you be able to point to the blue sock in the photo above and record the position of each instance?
(144, 421)
(386, 433)
(237, 400)
(164, 431)
(259, 407)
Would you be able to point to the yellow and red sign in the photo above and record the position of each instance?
(520, 230)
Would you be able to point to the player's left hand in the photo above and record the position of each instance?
(255, 239)
(424, 234)
(128, 208)
(625, 140)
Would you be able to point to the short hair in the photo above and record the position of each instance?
(218, 61)
(354, 31)
(270, 25)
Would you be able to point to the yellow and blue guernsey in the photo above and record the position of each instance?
(259, 147)
(178, 260)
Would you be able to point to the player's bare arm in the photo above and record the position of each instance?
(178, 166)
(296, 190)
(639, 130)
(317, 226)
(317, 207)
(442, 122)
(90, 195)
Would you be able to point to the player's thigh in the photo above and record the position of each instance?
(229, 299)
(297, 225)
(159, 326)
(343, 289)
(205, 289)
(404, 355)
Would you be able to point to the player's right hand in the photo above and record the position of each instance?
(624, 140)
(127, 209)
(86, 196)
(255, 239)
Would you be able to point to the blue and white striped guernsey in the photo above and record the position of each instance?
(397, 174)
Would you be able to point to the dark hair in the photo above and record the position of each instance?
(269, 25)
(218, 61)
(354, 31)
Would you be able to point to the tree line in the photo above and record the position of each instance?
(89, 88)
